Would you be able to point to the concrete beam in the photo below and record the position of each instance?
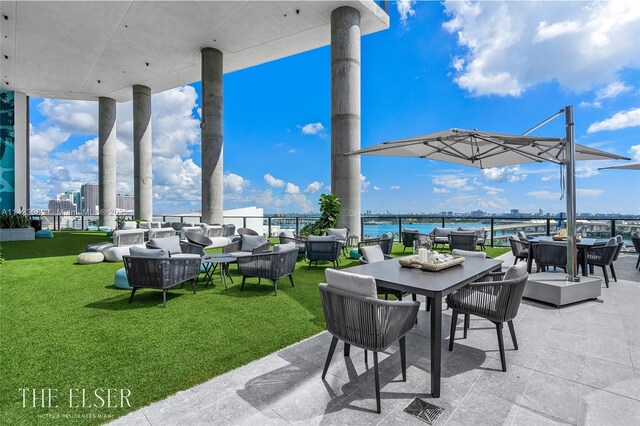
(107, 162)
(142, 153)
(211, 149)
(345, 114)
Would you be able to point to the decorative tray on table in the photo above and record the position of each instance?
(414, 262)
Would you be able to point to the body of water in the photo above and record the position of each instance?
(373, 230)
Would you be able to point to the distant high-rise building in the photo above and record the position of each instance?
(77, 200)
(61, 207)
(124, 202)
(540, 212)
(89, 194)
(515, 212)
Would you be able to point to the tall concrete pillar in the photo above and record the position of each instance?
(142, 175)
(107, 162)
(211, 149)
(345, 114)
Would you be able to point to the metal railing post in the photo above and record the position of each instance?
(492, 231)
(548, 227)
(244, 221)
(297, 225)
(361, 228)
(443, 225)
(400, 228)
(613, 227)
(269, 225)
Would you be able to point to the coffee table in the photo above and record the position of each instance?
(211, 262)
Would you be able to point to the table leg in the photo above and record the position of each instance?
(530, 259)
(585, 267)
(223, 278)
(436, 344)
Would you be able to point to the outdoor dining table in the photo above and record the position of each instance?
(582, 245)
(435, 286)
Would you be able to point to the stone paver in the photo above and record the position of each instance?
(575, 365)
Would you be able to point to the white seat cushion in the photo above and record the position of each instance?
(372, 254)
(361, 285)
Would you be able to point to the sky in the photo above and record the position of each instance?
(494, 66)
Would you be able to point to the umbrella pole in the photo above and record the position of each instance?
(572, 258)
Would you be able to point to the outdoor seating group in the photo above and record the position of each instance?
(455, 238)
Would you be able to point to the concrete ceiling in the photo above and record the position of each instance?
(83, 50)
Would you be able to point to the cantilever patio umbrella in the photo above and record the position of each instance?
(632, 166)
(486, 149)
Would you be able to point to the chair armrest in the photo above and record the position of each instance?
(261, 248)
(369, 242)
(231, 247)
(190, 248)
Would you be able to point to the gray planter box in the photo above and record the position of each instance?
(17, 234)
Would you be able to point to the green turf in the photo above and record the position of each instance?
(65, 326)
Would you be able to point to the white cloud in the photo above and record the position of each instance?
(612, 90)
(234, 182)
(594, 104)
(272, 181)
(364, 183)
(619, 120)
(544, 195)
(312, 128)
(291, 151)
(546, 31)
(285, 204)
(635, 152)
(437, 190)
(586, 171)
(504, 174)
(291, 189)
(589, 192)
(450, 181)
(509, 47)
(394, 187)
(492, 190)
(376, 188)
(313, 187)
(548, 178)
(466, 202)
(70, 116)
(405, 10)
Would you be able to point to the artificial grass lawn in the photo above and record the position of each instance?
(65, 326)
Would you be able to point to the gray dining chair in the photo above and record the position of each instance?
(497, 299)
(635, 239)
(354, 315)
(603, 256)
(620, 242)
(519, 249)
(550, 253)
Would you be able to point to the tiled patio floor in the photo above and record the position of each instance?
(579, 365)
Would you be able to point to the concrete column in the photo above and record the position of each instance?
(107, 162)
(211, 149)
(142, 175)
(345, 114)
(21, 147)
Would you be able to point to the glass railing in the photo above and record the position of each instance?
(498, 229)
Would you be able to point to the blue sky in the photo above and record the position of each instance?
(492, 66)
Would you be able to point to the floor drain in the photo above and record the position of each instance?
(423, 410)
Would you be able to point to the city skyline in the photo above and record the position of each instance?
(277, 117)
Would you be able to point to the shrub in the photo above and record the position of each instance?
(329, 210)
(14, 220)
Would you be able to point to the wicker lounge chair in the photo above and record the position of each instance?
(286, 237)
(408, 235)
(342, 235)
(497, 299)
(325, 248)
(160, 272)
(272, 266)
(385, 241)
(463, 240)
(355, 315)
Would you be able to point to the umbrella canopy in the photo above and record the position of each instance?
(484, 149)
(632, 166)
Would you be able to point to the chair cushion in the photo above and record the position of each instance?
(516, 271)
(145, 252)
(288, 234)
(284, 247)
(250, 242)
(98, 246)
(372, 254)
(465, 253)
(387, 236)
(129, 224)
(619, 239)
(115, 253)
(340, 233)
(120, 279)
(169, 244)
(321, 238)
(612, 241)
(360, 285)
(466, 301)
(522, 236)
(90, 257)
(185, 256)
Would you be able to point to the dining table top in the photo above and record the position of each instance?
(586, 242)
(391, 274)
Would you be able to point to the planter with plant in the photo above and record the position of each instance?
(16, 227)
(329, 210)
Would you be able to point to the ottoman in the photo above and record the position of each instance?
(104, 228)
(120, 280)
(354, 254)
(44, 233)
(114, 254)
(92, 228)
(89, 257)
